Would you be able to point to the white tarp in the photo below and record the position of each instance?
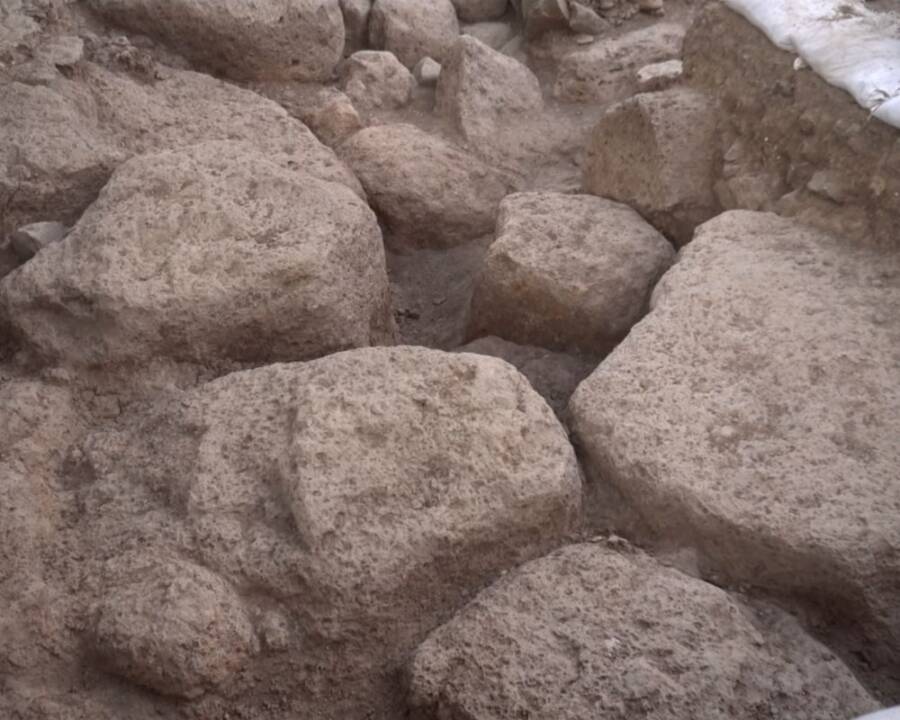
(848, 44)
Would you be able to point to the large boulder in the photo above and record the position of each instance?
(428, 192)
(480, 89)
(210, 253)
(754, 415)
(412, 29)
(567, 272)
(355, 501)
(604, 71)
(658, 153)
(375, 79)
(591, 631)
(296, 39)
(59, 144)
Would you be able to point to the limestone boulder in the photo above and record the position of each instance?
(174, 627)
(567, 272)
(375, 79)
(361, 497)
(753, 415)
(604, 71)
(658, 152)
(591, 631)
(412, 29)
(428, 192)
(296, 39)
(480, 89)
(207, 253)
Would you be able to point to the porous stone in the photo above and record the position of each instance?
(658, 153)
(375, 79)
(174, 627)
(592, 631)
(428, 192)
(296, 39)
(206, 254)
(753, 415)
(567, 272)
(412, 29)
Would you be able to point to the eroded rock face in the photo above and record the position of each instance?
(467, 472)
(174, 627)
(793, 143)
(658, 153)
(605, 70)
(428, 192)
(412, 29)
(297, 39)
(210, 252)
(592, 631)
(479, 89)
(752, 414)
(567, 272)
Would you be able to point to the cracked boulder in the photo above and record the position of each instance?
(428, 192)
(290, 39)
(209, 253)
(567, 272)
(591, 631)
(754, 415)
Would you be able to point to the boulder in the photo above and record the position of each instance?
(412, 29)
(375, 79)
(567, 272)
(480, 88)
(591, 631)
(208, 254)
(604, 71)
(174, 627)
(492, 34)
(466, 472)
(356, 24)
(753, 415)
(428, 192)
(658, 153)
(54, 157)
(295, 39)
(554, 375)
(472, 11)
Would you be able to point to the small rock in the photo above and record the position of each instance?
(427, 71)
(335, 119)
(659, 76)
(27, 241)
(376, 79)
(176, 628)
(412, 29)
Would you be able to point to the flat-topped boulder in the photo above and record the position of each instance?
(297, 39)
(592, 631)
(754, 415)
(208, 253)
(567, 272)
